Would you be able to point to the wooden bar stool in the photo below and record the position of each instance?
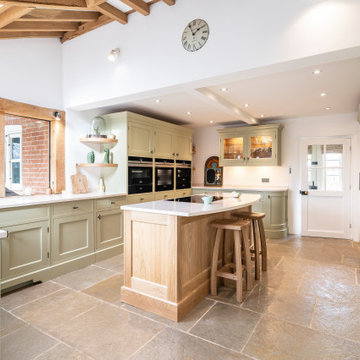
(258, 248)
(240, 229)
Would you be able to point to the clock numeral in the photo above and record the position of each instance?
(185, 43)
(205, 31)
(189, 46)
(203, 38)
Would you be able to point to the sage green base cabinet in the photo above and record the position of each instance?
(250, 145)
(25, 249)
(73, 236)
(47, 241)
(109, 228)
(272, 203)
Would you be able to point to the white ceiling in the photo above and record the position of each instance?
(287, 94)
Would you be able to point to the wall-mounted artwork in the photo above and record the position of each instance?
(213, 173)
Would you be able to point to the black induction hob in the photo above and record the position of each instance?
(197, 199)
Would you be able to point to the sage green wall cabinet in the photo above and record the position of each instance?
(164, 143)
(183, 147)
(25, 249)
(272, 203)
(140, 139)
(250, 145)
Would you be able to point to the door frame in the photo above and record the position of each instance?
(347, 187)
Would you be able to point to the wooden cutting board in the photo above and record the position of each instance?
(79, 183)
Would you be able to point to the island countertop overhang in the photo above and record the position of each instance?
(185, 209)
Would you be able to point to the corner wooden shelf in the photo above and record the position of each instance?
(98, 141)
(97, 165)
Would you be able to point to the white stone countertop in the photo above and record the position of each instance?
(194, 209)
(18, 201)
(241, 187)
(3, 234)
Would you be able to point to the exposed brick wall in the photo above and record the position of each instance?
(35, 152)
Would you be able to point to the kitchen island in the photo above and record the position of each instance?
(168, 248)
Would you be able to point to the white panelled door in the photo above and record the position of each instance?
(325, 187)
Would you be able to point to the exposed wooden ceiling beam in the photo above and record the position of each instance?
(20, 26)
(11, 14)
(112, 12)
(169, 2)
(83, 29)
(91, 3)
(52, 4)
(139, 5)
(30, 34)
(60, 15)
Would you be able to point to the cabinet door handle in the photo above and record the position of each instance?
(141, 199)
(177, 154)
(152, 151)
(99, 217)
(75, 207)
(173, 154)
(112, 202)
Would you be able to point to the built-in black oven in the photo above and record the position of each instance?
(183, 174)
(164, 174)
(140, 175)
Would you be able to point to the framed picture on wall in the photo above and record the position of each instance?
(213, 173)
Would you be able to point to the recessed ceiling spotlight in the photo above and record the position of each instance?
(211, 121)
(246, 105)
(157, 101)
(323, 94)
(316, 72)
(328, 108)
(224, 89)
(262, 115)
(114, 54)
(188, 113)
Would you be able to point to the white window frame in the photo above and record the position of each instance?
(11, 132)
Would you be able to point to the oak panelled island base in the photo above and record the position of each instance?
(168, 249)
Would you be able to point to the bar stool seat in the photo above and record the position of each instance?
(240, 229)
(258, 248)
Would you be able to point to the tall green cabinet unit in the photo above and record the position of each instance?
(250, 145)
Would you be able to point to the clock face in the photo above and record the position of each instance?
(195, 35)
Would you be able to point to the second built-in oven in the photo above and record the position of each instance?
(183, 174)
(164, 174)
(140, 175)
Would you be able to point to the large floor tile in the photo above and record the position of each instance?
(9, 323)
(56, 309)
(174, 345)
(108, 290)
(24, 344)
(84, 278)
(325, 254)
(29, 294)
(341, 319)
(227, 294)
(107, 332)
(279, 279)
(330, 290)
(62, 352)
(185, 324)
(351, 260)
(226, 325)
(115, 263)
(274, 340)
(281, 250)
(286, 305)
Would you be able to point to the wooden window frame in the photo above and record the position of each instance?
(57, 139)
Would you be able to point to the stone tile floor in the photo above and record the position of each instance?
(307, 306)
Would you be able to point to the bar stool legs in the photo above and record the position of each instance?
(240, 230)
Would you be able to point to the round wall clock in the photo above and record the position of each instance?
(195, 35)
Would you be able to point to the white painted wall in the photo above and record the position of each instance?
(243, 35)
(31, 71)
(206, 141)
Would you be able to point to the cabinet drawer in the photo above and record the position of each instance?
(73, 208)
(183, 193)
(163, 195)
(138, 198)
(24, 215)
(110, 203)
